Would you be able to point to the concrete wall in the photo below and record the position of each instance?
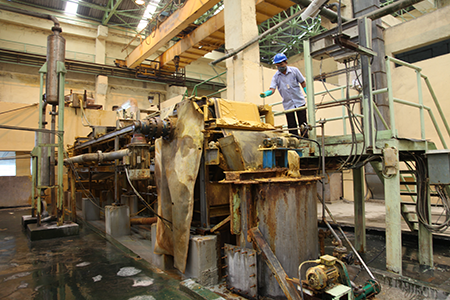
(425, 30)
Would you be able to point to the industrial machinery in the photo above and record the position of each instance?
(214, 162)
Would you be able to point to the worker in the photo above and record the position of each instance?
(287, 80)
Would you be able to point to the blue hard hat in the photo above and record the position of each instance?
(280, 57)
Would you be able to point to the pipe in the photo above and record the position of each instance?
(143, 221)
(327, 13)
(31, 13)
(97, 157)
(389, 9)
(255, 39)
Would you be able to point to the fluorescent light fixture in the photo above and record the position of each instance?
(71, 7)
(139, 2)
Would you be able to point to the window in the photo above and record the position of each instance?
(7, 166)
(425, 52)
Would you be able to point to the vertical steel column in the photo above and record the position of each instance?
(359, 208)
(73, 197)
(391, 97)
(33, 186)
(204, 211)
(422, 111)
(310, 89)
(366, 71)
(393, 222)
(42, 71)
(61, 69)
(426, 238)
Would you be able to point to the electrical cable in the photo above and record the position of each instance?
(371, 261)
(87, 193)
(146, 204)
(423, 199)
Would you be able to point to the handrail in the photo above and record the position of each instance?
(419, 105)
(194, 89)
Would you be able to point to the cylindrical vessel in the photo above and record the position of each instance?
(44, 164)
(56, 47)
(287, 218)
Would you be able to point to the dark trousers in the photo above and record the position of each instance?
(292, 122)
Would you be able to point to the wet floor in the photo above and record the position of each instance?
(437, 277)
(78, 267)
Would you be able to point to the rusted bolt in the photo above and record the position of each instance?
(224, 276)
(239, 291)
(252, 254)
(239, 250)
(243, 252)
(253, 286)
(252, 265)
(224, 267)
(253, 275)
(231, 288)
(223, 257)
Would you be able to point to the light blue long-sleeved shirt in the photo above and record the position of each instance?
(289, 87)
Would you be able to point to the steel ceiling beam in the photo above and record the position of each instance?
(174, 24)
(214, 24)
(108, 14)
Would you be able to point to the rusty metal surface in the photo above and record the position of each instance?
(139, 174)
(235, 209)
(232, 153)
(217, 194)
(275, 175)
(143, 221)
(241, 265)
(275, 267)
(287, 219)
(177, 162)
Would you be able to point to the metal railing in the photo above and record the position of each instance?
(392, 100)
(419, 105)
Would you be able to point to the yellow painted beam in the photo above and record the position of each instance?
(201, 33)
(174, 24)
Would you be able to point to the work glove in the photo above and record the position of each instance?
(304, 89)
(266, 93)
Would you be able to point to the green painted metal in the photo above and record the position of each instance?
(287, 39)
(310, 88)
(390, 98)
(426, 238)
(436, 103)
(61, 69)
(194, 90)
(393, 219)
(422, 116)
(359, 209)
(113, 8)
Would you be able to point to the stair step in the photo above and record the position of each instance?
(413, 203)
(408, 182)
(415, 194)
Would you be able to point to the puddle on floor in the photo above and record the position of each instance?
(78, 267)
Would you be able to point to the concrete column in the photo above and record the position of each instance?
(426, 238)
(393, 223)
(100, 44)
(244, 72)
(101, 88)
(117, 220)
(360, 209)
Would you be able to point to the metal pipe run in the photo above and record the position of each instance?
(391, 8)
(254, 40)
(31, 13)
(97, 157)
(143, 221)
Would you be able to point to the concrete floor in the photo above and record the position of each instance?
(78, 267)
(417, 282)
(88, 266)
